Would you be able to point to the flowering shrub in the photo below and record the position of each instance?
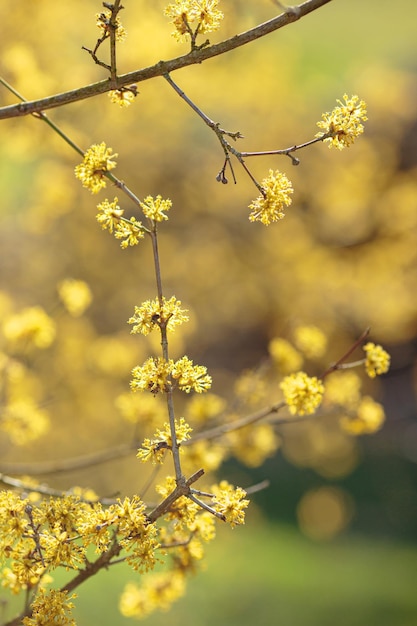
(42, 529)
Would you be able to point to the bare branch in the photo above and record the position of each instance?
(162, 68)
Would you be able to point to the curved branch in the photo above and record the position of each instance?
(292, 14)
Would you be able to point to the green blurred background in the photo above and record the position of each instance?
(344, 258)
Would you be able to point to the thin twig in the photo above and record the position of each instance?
(222, 429)
(340, 362)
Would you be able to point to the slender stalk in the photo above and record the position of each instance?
(340, 362)
(218, 431)
(165, 354)
(112, 31)
(287, 151)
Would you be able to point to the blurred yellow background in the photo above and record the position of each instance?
(344, 258)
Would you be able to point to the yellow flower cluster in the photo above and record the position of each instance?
(190, 527)
(154, 208)
(152, 314)
(103, 23)
(154, 449)
(275, 196)
(377, 360)
(344, 123)
(75, 295)
(190, 377)
(122, 97)
(51, 607)
(202, 15)
(110, 217)
(230, 502)
(302, 393)
(98, 160)
(57, 533)
(158, 375)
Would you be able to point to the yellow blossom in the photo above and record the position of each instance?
(152, 313)
(75, 295)
(377, 360)
(154, 449)
(51, 607)
(154, 208)
(230, 502)
(109, 214)
(14, 523)
(152, 376)
(302, 393)
(158, 375)
(130, 231)
(369, 418)
(103, 23)
(344, 123)
(275, 196)
(311, 341)
(191, 377)
(98, 160)
(200, 15)
(122, 97)
(32, 325)
(284, 355)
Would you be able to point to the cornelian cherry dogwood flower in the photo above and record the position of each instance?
(159, 375)
(185, 13)
(269, 206)
(230, 501)
(103, 23)
(151, 314)
(377, 360)
(98, 160)
(51, 604)
(154, 208)
(122, 97)
(302, 393)
(344, 123)
(154, 449)
(110, 216)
